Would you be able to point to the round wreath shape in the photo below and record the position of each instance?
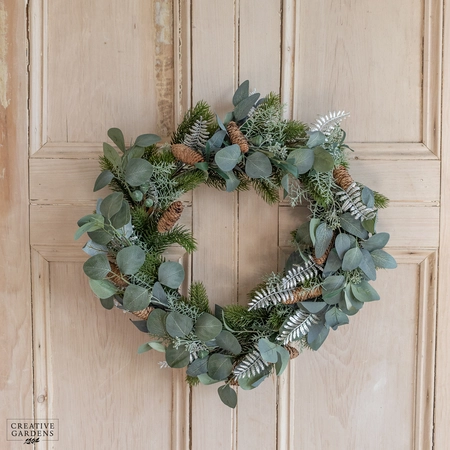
(326, 278)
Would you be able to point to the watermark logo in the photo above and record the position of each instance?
(31, 431)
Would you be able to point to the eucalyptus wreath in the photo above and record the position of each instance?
(325, 280)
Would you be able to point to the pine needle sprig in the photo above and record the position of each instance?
(190, 179)
(201, 111)
(198, 297)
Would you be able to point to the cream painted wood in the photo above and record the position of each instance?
(16, 371)
(159, 58)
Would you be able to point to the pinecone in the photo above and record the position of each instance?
(342, 177)
(237, 137)
(170, 217)
(186, 154)
(234, 382)
(143, 313)
(301, 294)
(293, 352)
(117, 277)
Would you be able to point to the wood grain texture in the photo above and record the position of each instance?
(442, 396)
(364, 57)
(100, 384)
(16, 390)
(358, 390)
(214, 213)
(259, 27)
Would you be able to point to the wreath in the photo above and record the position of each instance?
(326, 278)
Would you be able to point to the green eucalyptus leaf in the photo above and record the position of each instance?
(177, 357)
(217, 138)
(282, 361)
(156, 323)
(353, 226)
(370, 224)
(324, 235)
(285, 183)
(241, 93)
(102, 288)
(268, 350)
(107, 303)
(333, 263)
(302, 235)
(352, 259)
(220, 123)
(313, 224)
(138, 171)
(232, 182)
(146, 140)
(134, 152)
(376, 242)
(100, 237)
(316, 139)
(197, 367)
(364, 292)
(383, 260)
(317, 335)
(97, 219)
(333, 282)
(302, 158)
(342, 243)
(86, 228)
(158, 346)
(207, 327)
(122, 217)
(368, 197)
(332, 297)
(116, 136)
(219, 366)
(294, 259)
(228, 395)
(228, 342)
(159, 293)
(248, 383)
(203, 166)
(144, 348)
(103, 180)
(323, 161)
(205, 379)
(367, 265)
(97, 267)
(258, 165)
(335, 317)
(313, 307)
(227, 157)
(171, 274)
(130, 259)
(111, 155)
(135, 298)
(111, 204)
(244, 106)
(178, 325)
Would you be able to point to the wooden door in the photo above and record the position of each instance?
(69, 70)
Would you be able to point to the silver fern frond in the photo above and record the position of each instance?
(299, 274)
(327, 123)
(198, 135)
(270, 296)
(351, 202)
(251, 365)
(296, 326)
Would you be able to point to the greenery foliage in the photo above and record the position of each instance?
(325, 281)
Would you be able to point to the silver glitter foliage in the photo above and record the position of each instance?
(198, 135)
(352, 203)
(251, 365)
(327, 123)
(297, 326)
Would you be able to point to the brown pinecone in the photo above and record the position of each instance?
(170, 217)
(234, 382)
(301, 294)
(342, 177)
(143, 313)
(293, 352)
(186, 154)
(236, 136)
(116, 276)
